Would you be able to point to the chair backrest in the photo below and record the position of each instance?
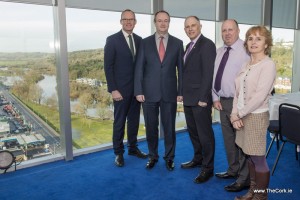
(289, 122)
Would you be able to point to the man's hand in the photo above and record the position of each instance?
(218, 105)
(140, 98)
(116, 95)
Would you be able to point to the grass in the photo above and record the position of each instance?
(87, 132)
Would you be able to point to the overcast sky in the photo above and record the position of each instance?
(29, 28)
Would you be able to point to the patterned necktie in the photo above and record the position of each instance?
(131, 45)
(161, 50)
(189, 50)
(221, 70)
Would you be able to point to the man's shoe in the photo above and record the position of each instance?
(225, 175)
(119, 161)
(190, 164)
(170, 165)
(236, 187)
(138, 153)
(151, 163)
(203, 177)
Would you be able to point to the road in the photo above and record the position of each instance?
(38, 125)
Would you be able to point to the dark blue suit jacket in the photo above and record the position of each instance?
(158, 80)
(198, 72)
(119, 63)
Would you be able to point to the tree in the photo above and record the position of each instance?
(52, 101)
(85, 101)
(36, 93)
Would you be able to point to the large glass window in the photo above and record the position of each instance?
(28, 97)
(282, 54)
(91, 104)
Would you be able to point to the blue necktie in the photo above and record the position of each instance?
(221, 70)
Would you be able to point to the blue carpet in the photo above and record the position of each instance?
(94, 176)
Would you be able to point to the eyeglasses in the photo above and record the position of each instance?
(128, 20)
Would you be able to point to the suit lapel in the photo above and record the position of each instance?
(123, 42)
(169, 47)
(153, 46)
(194, 49)
(136, 42)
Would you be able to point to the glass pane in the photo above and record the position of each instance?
(284, 13)
(282, 54)
(29, 111)
(91, 104)
(245, 11)
(201, 8)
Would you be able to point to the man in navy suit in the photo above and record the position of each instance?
(197, 100)
(119, 61)
(157, 86)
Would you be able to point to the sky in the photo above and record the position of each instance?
(29, 28)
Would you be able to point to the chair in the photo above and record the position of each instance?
(274, 129)
(289, 129)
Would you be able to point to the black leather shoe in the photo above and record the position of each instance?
(151, 163)
(119, 161)
(236, 187)
(225, 175)
(138, 153)
(190, 164)
(170, 165)
(203, 177)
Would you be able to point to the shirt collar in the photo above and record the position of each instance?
(196, 39)
(126, 34)
(157, 36)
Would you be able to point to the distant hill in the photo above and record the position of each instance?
(81, 63)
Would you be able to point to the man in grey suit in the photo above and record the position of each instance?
(197, 80)
(158, 87)
(119, 59)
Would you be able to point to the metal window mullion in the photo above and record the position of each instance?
(63, 88)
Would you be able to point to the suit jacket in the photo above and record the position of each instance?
(119, 63)
(158, 80)
(198, 72)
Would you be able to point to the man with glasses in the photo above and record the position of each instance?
(157, 86)
(119, 59)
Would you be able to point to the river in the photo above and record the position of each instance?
(48, 84)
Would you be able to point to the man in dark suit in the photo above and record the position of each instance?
(197, 100)
(158, 87)
(119, 60)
